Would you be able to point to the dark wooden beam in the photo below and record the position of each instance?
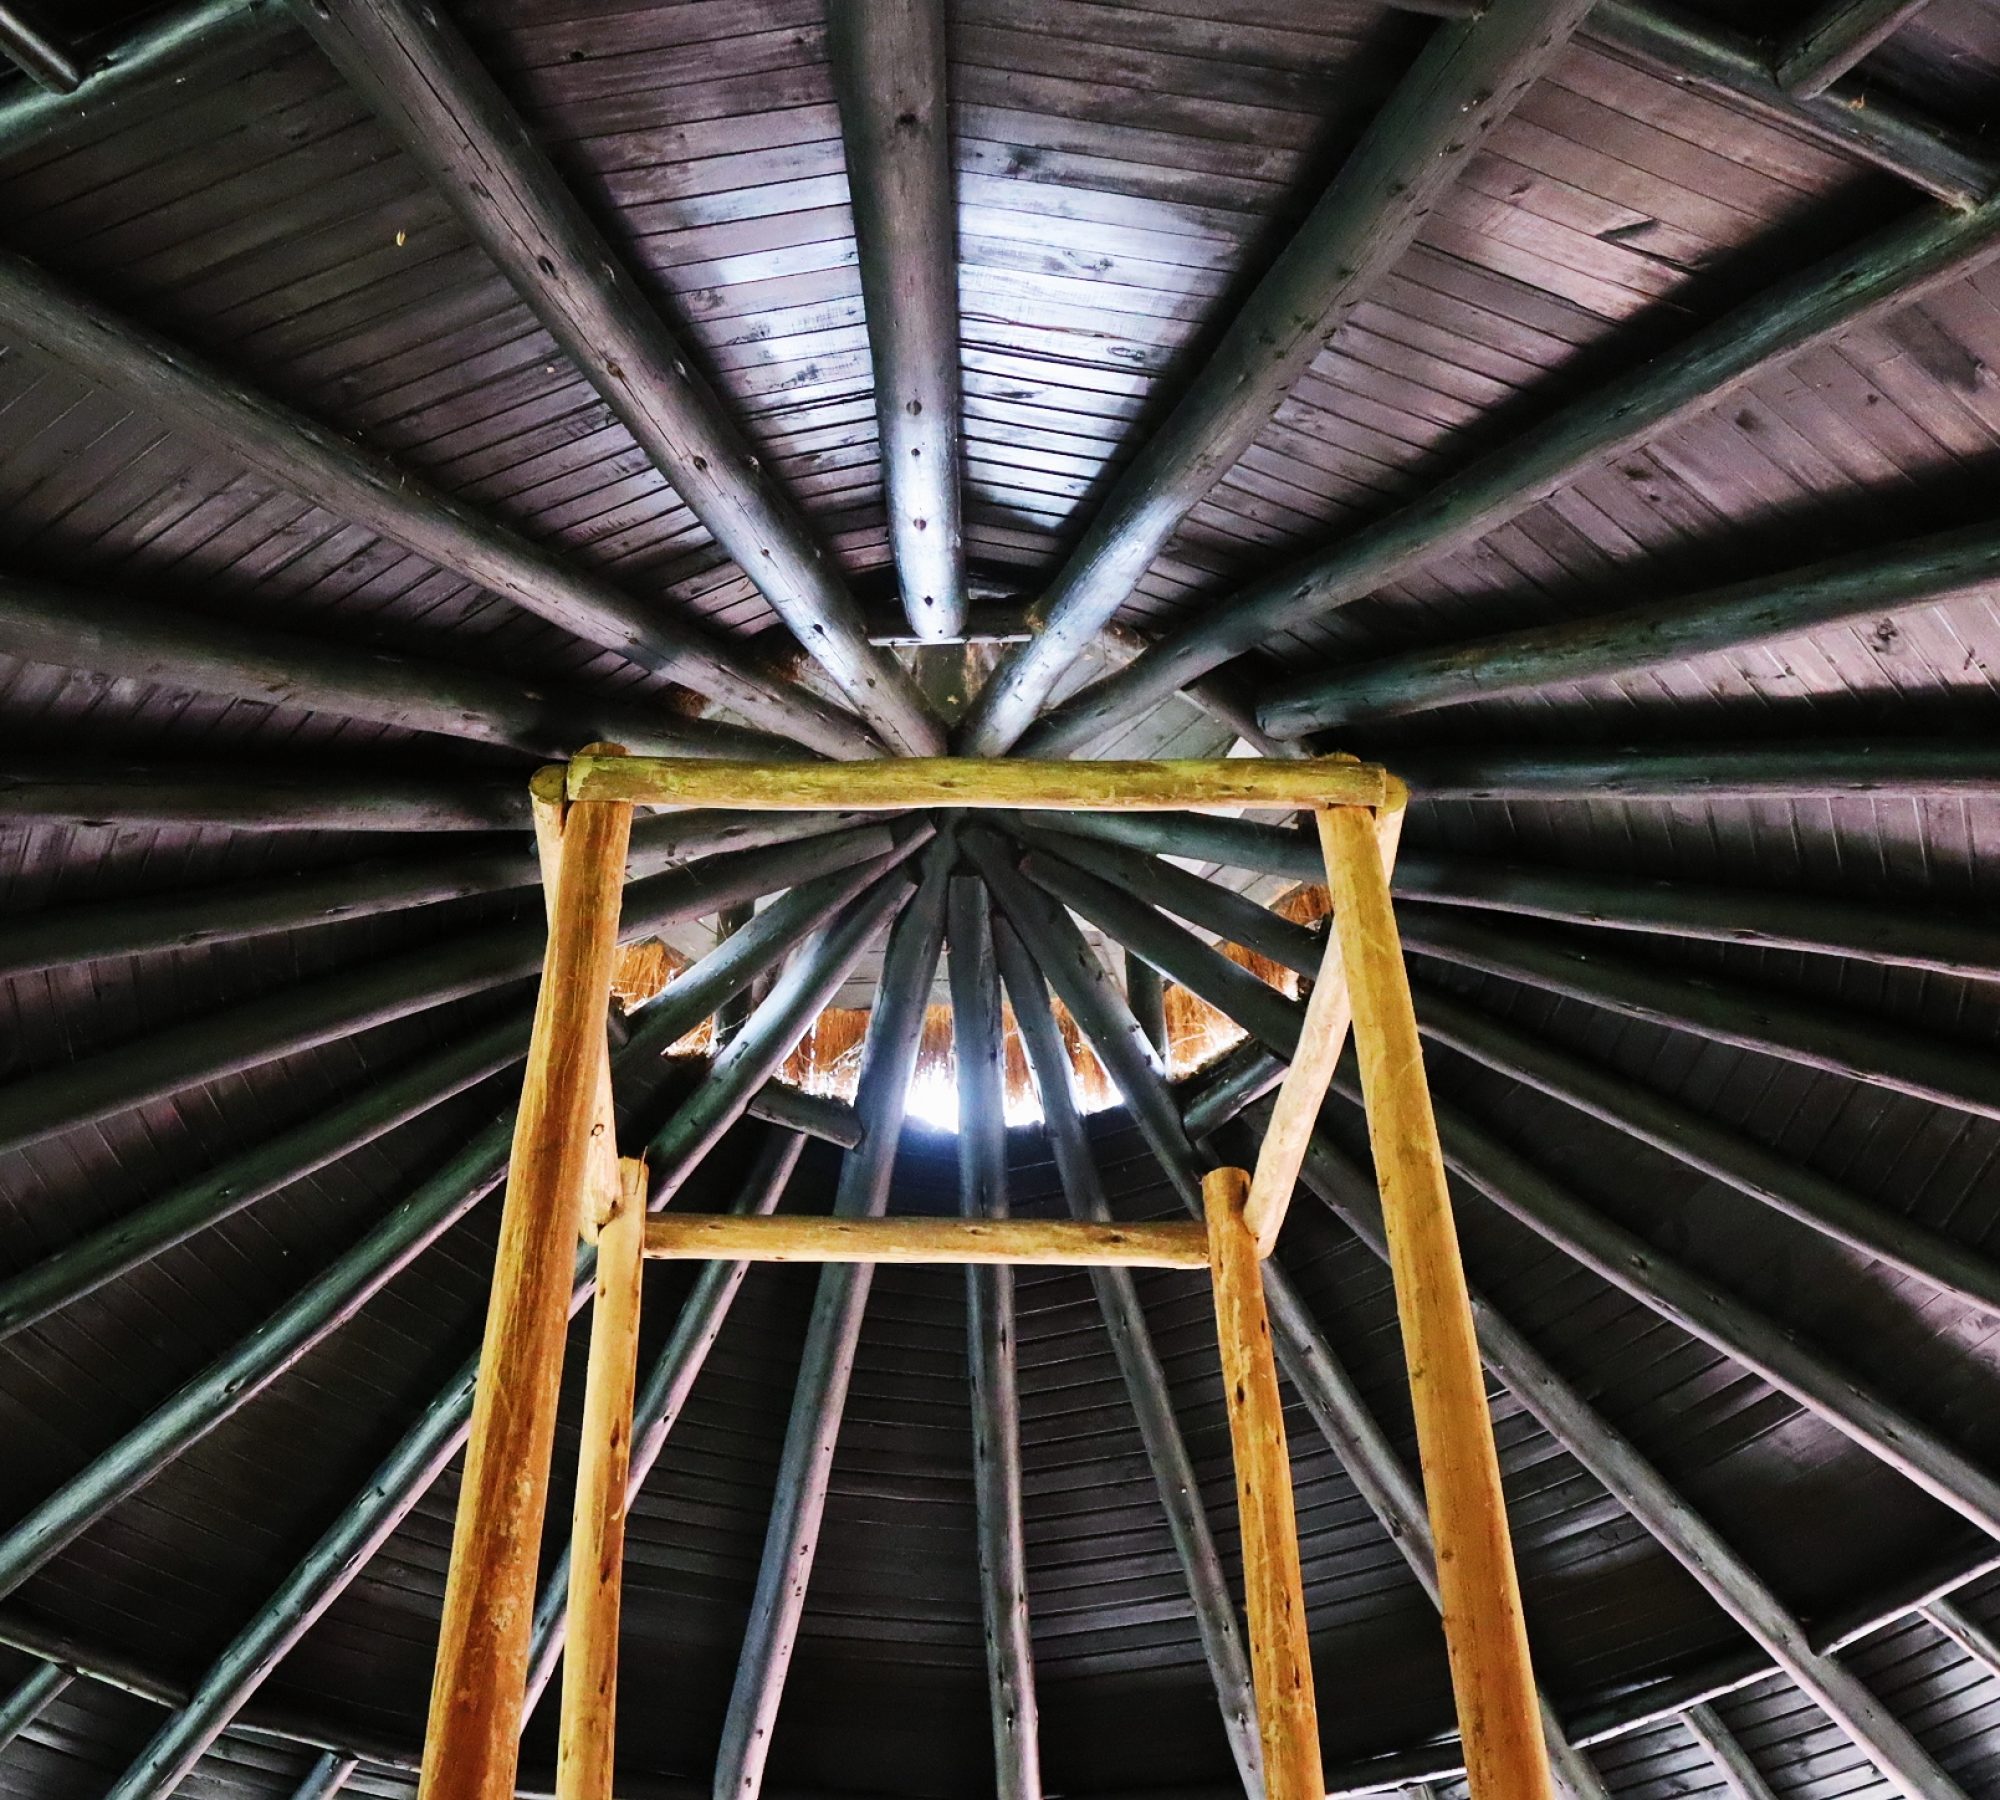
(1147, 998)
(187, 919)
(1647, 1495)
(87, 791)
(221, 413)
(1706, 1310)
(329, 1774)
(1869, 125)
(1837, 36)
(1893, 269)
(1781, 770)
(1138, 1362)
(1203, 837)
(1467, 78)
(1902, 1058)
(36, 1692)
(989, 1317)
(48, 622)
(888, 62)
(810, 1115)
(37, 52)
(888, 1057)
(1770, 609)
(1975, 1639)
(412, 65)
(1781, 1182)
(130, 68)
(1739, 1774)
(769, 1035)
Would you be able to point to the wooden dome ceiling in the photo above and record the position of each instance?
(1584, 410)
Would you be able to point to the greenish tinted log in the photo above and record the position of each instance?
(223, 415)
(47, 61)
(1650, 1498)
(888, 1058)
(1139, 1365)
(1836, 37)
(1225, 912)
(1891, 270)
(86, 791)
(1893, 767)
(1468, 77)
(1206, 837)
(36, 1692)
(888, 61)
(46, 622)
(661, 1396)
(186, 919)
(328, 1775)
(218, 1193)
(1886, 933)
(1147, 998)
(814, 1115)
(1748, 613)
(1781, 1182)
(1866, 123)
(1245, 1074)
(1884, 1054)
(999, 1522)
(412, 65)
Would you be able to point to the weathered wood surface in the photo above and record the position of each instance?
(1485, 1631)
(587, 1743)
(898, 783)
(1048, 1243)
(1274, 1601)
(1838, 35)
(472, 1742)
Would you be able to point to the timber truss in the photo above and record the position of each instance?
(566, 1175)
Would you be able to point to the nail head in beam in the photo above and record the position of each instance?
(1274, 1601)
(889, 73)
(1321, 1040)
(1466, 79)
(1486, 1635)
(586, 1739)
(1044, 1243)
(898, 783)
(414, 67)
(1732, 1762)
(472, 1744)
(1836, 37)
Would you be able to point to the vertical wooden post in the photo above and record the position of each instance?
(586, 1745)
(1273, 1589)
(471, 1746)
(1498, 1714)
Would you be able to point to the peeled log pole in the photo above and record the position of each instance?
(1770, 609)
(1836, 37)
(826, 1365)
(1732, 1762)
(225, 416)
(989, 1320)
(1138, 1362)
(412, 65)
(30, 1699)
(327, 1776)
(1484, 1630)
(47, 622)
(1274, 1600)
(888, 60)
(472, 1742)
(1893, 269)
(1467, 78)
(586, 1744)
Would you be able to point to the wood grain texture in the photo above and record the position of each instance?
(1274, 1600)
(1048, 1243)
(902, 782)
(587, 1746)
(1484, 1629)
(473, 1742)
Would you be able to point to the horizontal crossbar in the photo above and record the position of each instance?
(896, 783)
(1056, 1243)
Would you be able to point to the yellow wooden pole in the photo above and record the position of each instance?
(1274, 1601)
(816, 1238)
(471, 1746)
(586, 1746)
(1498, 1715)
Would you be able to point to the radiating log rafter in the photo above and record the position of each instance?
(235, 421)
(1468, 77)
(1889, 271)
(1837, 35)
(414, 67)
(889, 70)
